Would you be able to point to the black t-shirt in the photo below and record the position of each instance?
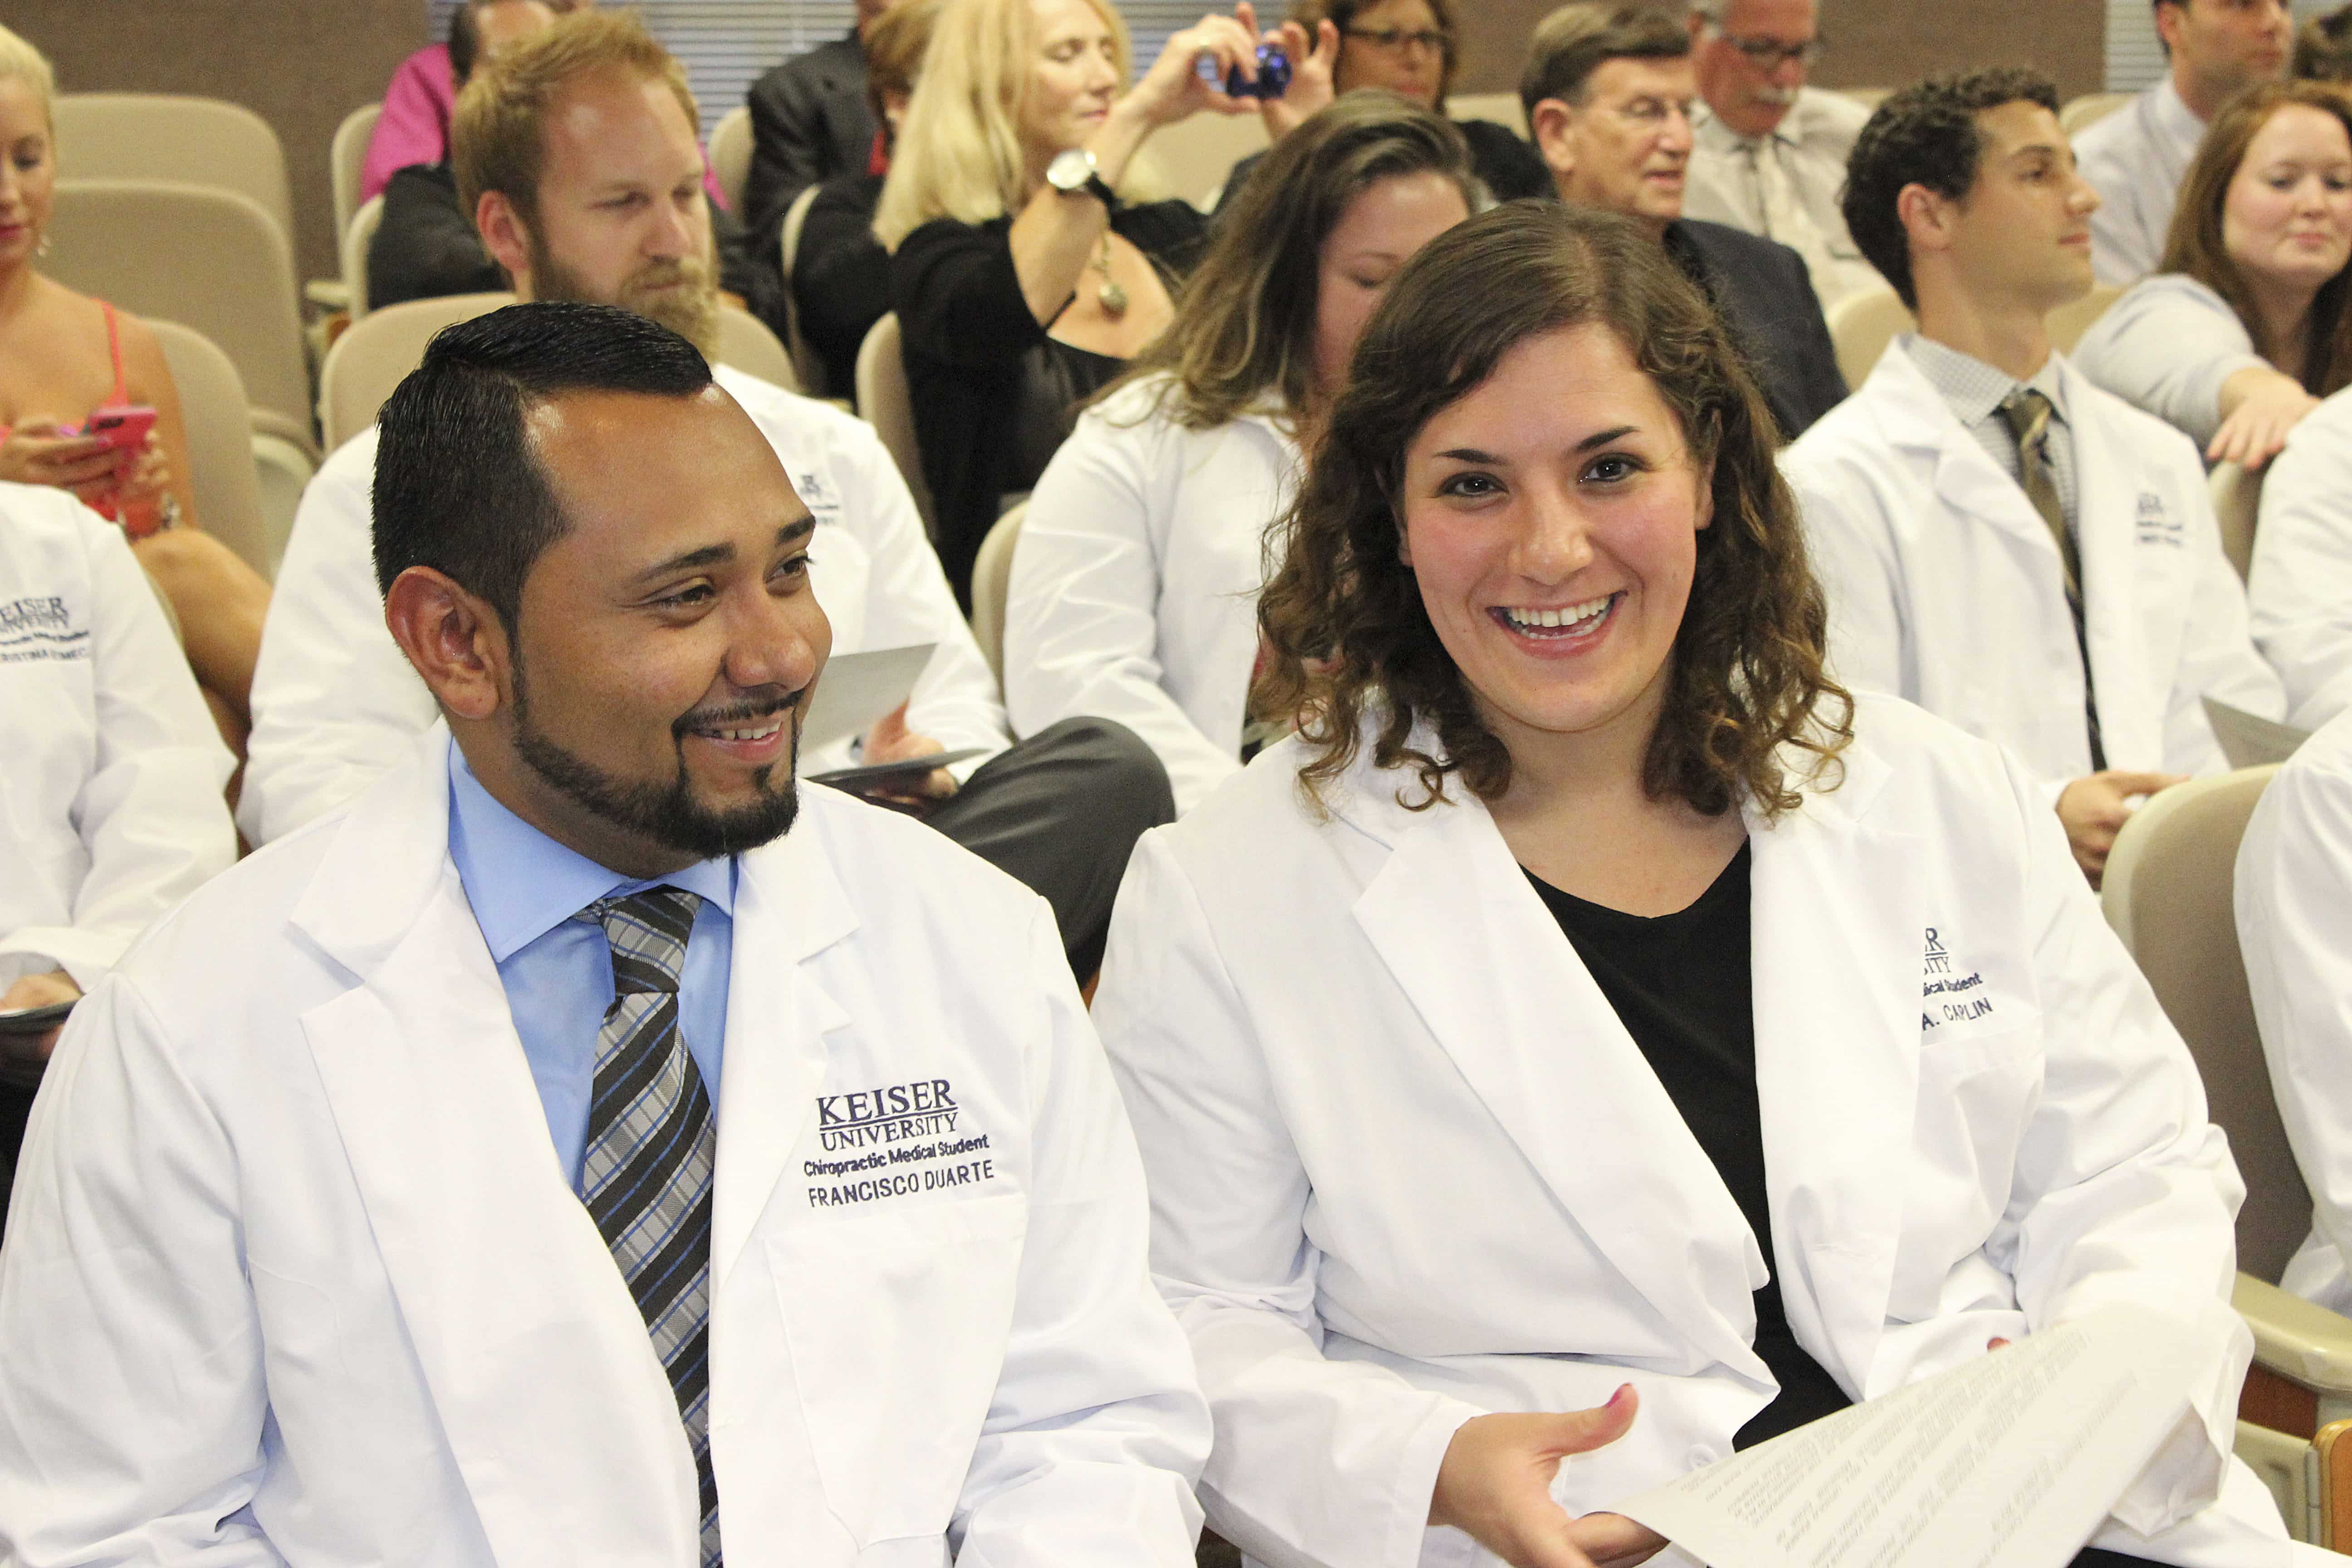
(1680, 984)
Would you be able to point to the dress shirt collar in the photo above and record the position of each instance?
(1709, 131)
(1973, 390)
(522, 884)
(2182, 130)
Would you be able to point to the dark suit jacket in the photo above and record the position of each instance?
(1767, 298)
(809, 123)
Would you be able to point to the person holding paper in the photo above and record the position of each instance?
(547, 133)
(1594, 1033)
(493, 1175)
(2002, 542)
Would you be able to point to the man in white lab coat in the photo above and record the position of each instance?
(2299, 589)
(2001, 541)
(110, 768)
(575, 152)
(2135, 157)
(591, 1147)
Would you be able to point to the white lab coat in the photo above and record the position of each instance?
(1135, 581)
(1945, 586)
(294, 1274)
(2135, 159)
(2293, 894)
(1407, 1167)
(110, 768)
(2299, 589)
(335, 702)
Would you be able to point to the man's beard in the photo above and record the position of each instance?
(690, 308)
(669, 814)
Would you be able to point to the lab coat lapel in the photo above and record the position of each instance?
(521, 1321)
(2106, 534)
(1454, 920)
(1916, 419)
(789, 906)
(1837, 943)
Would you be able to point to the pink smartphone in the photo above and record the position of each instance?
(123, 427)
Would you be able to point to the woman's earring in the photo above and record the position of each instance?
(41, 246)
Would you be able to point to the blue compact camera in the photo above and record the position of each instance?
(1273, 75)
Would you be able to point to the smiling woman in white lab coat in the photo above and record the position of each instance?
(1135, 583)
(1592, 995)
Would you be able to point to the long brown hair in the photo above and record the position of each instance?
(1244, 323)
(2194, 245)
(1343, 615)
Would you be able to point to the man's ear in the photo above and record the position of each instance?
(505, 236)
(2170, 20)
(1549, 122)
(454, 640)
(1928, 220)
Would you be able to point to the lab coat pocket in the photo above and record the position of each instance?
(897, 1324)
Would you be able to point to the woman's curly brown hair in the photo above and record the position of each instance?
(1343, 615)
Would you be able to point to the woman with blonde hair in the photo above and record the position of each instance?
(2249, 321)
(1531, 1056)
(64, 357)
(1135, 585)
(1022, 278)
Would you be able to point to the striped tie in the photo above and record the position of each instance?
(652, 1146)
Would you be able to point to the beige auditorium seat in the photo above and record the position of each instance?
(2237, 505)
(191, 140)
(731, 154)
(2167, 894)
(884, 402)
(369, 360)
(2069, 322)
(1868, 97)
(347, 160)
(1191, 158)
(220, 447)
(358, 236)
(1860, 326)
(2080, 114)
(807, 362)
(210, 258)
(1503, 107)
(992, 586)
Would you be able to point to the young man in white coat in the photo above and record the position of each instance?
(2001, 541)
(576, 153)
(591, 1147)
(110, 768)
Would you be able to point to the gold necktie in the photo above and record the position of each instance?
(2027, 413)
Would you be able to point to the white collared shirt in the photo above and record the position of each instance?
(1784, 185)
(2135, 159)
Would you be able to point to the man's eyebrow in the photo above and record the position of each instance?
(799, 529)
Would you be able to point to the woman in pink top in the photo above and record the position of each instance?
(65, 356)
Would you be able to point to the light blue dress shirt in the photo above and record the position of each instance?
(525, 889)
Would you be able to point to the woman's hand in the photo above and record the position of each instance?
(39, 452)
(1495, 1486)
(1310, 76)
(1173, 88)
(2259, 407)
(145, 481)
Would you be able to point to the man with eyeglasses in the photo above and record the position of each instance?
(1609, 90)
(2137, 157)
(1768, 152)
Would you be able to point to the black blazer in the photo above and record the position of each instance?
(1767, 299)
(809, 122)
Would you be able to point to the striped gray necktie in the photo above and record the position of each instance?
(652, 1147)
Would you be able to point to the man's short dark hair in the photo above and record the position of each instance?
(1926, 134)
(1576, 40)
(457, 487)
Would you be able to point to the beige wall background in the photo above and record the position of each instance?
(1872, 43)
(301, 65)
(304, 64)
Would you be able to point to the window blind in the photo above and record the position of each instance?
(728, 45)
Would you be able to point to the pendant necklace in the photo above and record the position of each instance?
(1110, 296)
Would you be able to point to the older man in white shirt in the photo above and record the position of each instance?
(2135, 157)
(1768, 152)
